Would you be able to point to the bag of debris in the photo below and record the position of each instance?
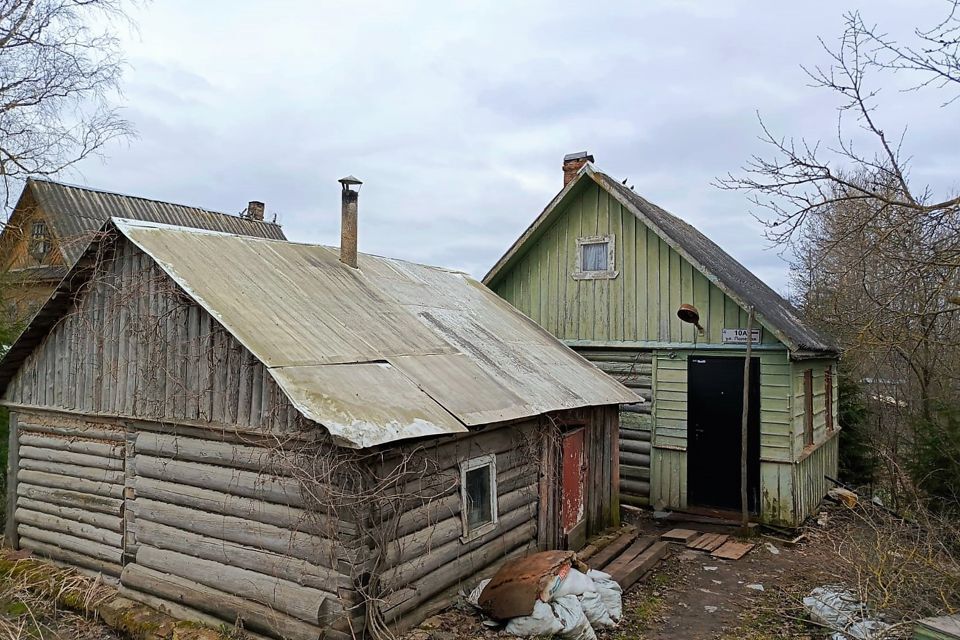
(573, 584)
(840, 610)
(575, 625)
(542, 622)
(474, 597)
(596, 611)
(610, 592)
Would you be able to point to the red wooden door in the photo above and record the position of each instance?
(571, 486)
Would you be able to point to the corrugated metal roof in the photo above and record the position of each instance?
(75, 213)
(389, 351)
(728, 274)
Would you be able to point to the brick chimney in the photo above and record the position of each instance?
(348, 220)
(572, 163)
(254, 211)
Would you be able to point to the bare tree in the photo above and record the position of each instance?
(876, 256)
(58, 70)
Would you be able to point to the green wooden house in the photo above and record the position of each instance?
(606, 272)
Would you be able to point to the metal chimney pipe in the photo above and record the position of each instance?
(348, 221)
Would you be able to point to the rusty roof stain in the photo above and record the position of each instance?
(390, 351)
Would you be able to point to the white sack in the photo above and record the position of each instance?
(567, 609)
(573, 584)
(610, 592)
(595, 611)
(542, 622)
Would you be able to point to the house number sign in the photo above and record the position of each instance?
(739, 336)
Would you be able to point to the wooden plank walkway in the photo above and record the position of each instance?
(628, 558)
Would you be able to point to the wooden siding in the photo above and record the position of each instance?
(133, 345)
(15, 240)
(820, 431)
(639, 305)
(670, 428)
(809, 477)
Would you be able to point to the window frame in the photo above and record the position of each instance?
(610, 272)
(489, 460)
(39, 244)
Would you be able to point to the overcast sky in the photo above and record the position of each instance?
(457, 114)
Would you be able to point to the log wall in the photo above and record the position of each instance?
(215, 532)
(426, 561)
(69, 490)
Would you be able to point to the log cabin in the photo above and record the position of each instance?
(52, 223)
(309, 441)
(614, 276)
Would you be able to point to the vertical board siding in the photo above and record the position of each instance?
(670, 430)
(102, 357)
(638, 305)
(809, 478)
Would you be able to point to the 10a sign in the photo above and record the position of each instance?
(739, 336)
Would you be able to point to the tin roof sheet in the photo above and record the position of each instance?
(76, 213)
(389, 351)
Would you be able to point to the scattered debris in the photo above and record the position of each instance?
(710, 568)
(822, 519)
(943, 627)
(755, 587)
(771, 548)
(710, 609)
(841, 611)
(572, 609)
(732, 550)
(518, 584)
(843, 496)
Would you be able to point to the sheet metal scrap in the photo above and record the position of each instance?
(517, 585)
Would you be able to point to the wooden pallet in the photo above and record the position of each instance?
(627, 559)
(708, 542)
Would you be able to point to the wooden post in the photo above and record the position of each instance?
(13, 465)
(744, 433)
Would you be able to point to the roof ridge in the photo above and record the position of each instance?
(69, 185)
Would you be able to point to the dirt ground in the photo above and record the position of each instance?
(691, 595)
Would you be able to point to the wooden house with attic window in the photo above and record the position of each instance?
(52, 223)
(607, 272)
(315, 442)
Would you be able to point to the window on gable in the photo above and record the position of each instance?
(595, 258)
(40, 244)
(478, 493)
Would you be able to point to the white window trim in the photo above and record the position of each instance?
(609, 274)
(469, 465)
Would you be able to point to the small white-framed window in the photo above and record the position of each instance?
(596, 258)
(478, 496)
